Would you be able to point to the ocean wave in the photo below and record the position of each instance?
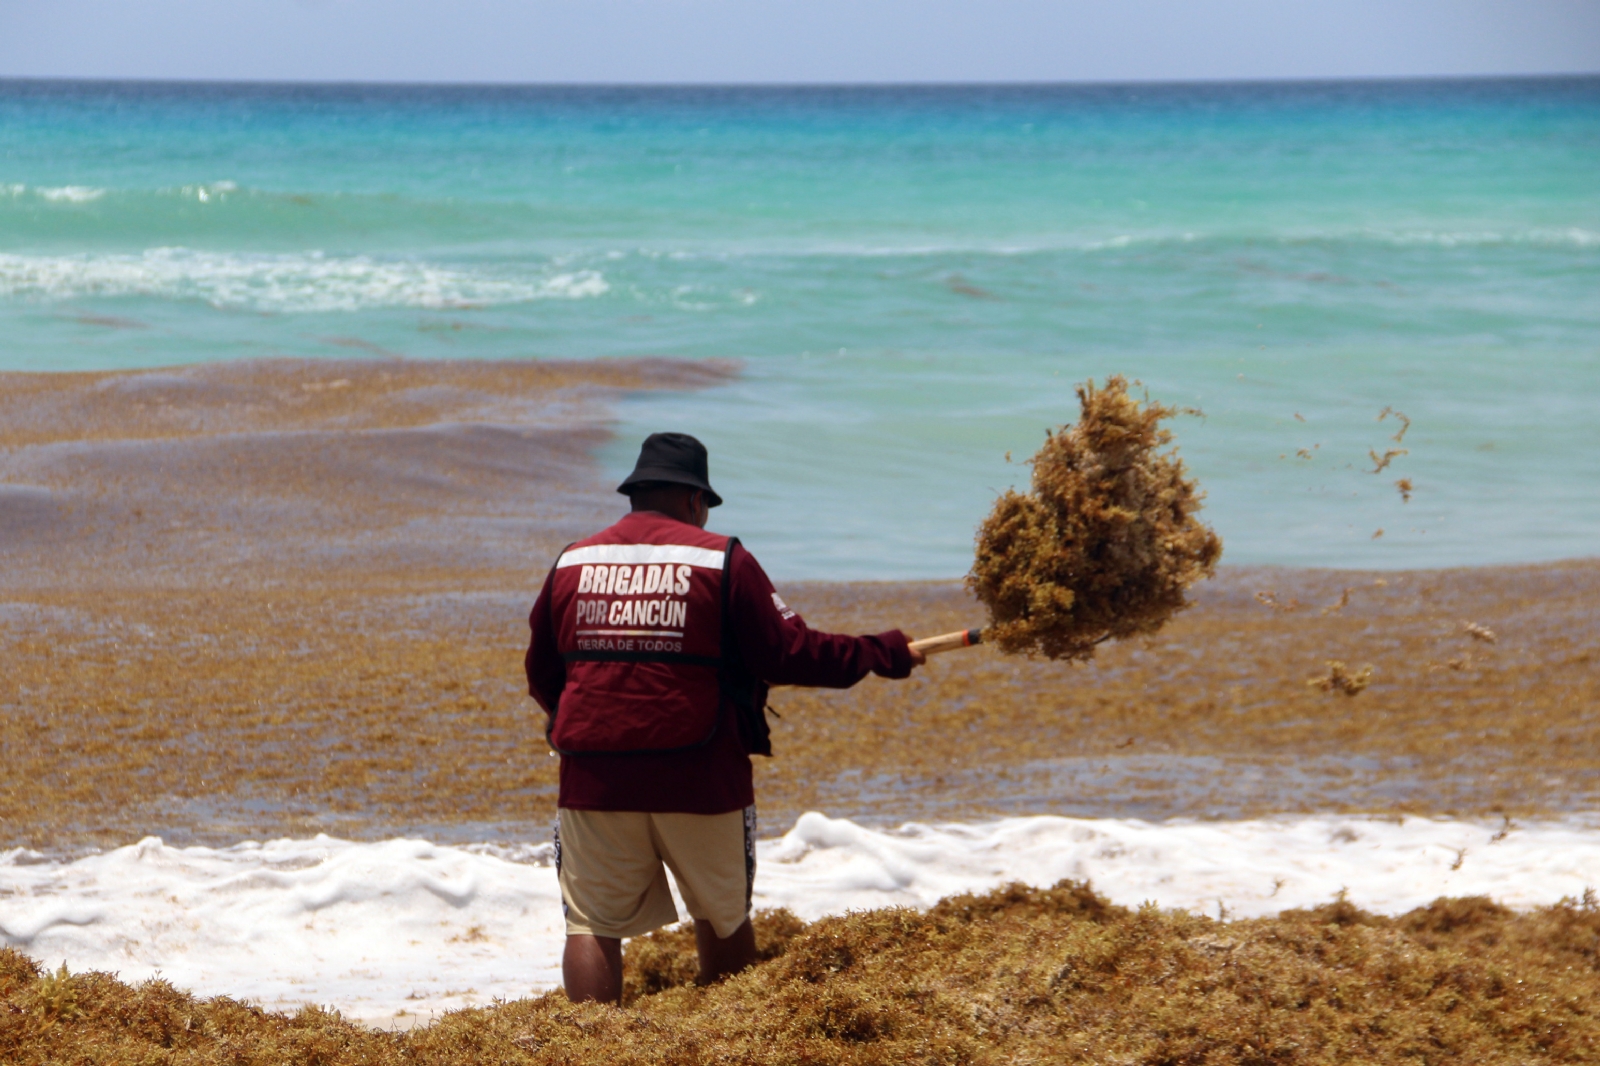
(216, 190)
(1568, 237)
(780, 248)
(71, 194)
(302, 282)
(329, 212)
(204, 192)
(57, 194)
(1548, 237)
(1563, 238)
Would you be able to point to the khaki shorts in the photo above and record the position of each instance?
(613, 883)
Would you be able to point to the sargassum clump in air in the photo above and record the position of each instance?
(1106, 542)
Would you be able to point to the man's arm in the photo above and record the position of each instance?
(547, 671)
(779, 648)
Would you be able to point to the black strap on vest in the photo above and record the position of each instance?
(640, 657)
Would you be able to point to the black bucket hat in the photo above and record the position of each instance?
(676, 458)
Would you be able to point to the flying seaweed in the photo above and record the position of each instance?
(1269, 598)
(1405, 423)
(1104, 545)
(1381, 461)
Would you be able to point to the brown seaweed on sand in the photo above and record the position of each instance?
(1341, 679)
(1269, 598)
(1344, 601)
(1107, 541)
(1017, 974)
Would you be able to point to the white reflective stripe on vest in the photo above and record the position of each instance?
(635, 554)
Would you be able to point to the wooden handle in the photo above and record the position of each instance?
(964, 638)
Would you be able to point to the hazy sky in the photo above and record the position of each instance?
(794, 40)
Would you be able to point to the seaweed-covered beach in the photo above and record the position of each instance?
(264, 599)
(258, 600)
(1014, 975)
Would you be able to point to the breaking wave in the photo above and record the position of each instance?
(68, 194)
(298, 282)
(1571, 238)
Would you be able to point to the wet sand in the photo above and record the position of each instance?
(248, 600)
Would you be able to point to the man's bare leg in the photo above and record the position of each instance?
(723, 956)
(591, 968)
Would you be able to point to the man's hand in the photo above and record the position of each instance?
(917, 657)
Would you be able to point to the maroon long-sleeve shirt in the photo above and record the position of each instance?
(775, 647)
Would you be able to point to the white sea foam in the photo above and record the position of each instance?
(71, 194)
(68, 194)
(1568, 237)
(399, 930)
(376, 929)
(298, 282)
(207, 193)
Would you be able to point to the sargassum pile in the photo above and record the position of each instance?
(1106, 543)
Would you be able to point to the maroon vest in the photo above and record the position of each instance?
(639, 615)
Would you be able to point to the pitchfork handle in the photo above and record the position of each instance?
(964, 638)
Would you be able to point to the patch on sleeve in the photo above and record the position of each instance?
(783, 608)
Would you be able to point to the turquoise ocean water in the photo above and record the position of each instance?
(914, 279)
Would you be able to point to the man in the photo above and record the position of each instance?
(653, 645)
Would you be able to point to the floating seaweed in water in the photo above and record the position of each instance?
(1340, 679)
(1404, 485)
(1106, 543)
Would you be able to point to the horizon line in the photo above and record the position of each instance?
(791, 85)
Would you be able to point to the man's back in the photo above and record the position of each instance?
(766, 644)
